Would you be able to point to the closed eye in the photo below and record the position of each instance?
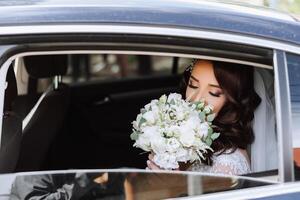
(192, 86)
(215, 94)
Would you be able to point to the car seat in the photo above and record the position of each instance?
(44, 121)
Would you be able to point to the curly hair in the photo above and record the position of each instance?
(234, 120)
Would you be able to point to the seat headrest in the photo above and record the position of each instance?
(46, 66)
(11, 91)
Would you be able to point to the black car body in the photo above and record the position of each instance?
(178, 29)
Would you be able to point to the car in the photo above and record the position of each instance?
(75, 74)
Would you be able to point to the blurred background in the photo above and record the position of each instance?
(292, 6)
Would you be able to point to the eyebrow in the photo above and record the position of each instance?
(194, 78)
(212, 85)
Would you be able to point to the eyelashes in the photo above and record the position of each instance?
(218, 94)
(192, 86)
(215, 94)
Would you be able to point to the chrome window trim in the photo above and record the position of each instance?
(283, 117)
(251, 193)
(178, 32)
(150, 30)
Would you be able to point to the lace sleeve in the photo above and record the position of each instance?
(232, 164)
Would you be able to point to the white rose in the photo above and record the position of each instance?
(135, 125)
(182, 155)
(149, 117)
(158, 144)
(173, 131)
(172, 145)
(147, 106)
(150, 131)
(193, 121)
(174, 96)
(187, 136)
(166, 161)
(144, 139)
(143, 142)
(180, 114)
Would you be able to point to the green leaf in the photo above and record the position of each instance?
(211, 117)
(134, 136)
(199, 104)
(142, 120)
(202, 116)
(208, 141)
(210, 131)
(215, 136)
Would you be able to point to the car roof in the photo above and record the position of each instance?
(191, 14)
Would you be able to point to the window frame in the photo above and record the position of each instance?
(10, 52)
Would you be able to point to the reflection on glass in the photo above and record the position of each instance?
(124, 185)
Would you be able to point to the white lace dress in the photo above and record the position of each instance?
(226, 163)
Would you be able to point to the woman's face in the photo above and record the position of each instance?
(204, 85)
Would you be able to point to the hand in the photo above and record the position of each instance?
(150, 164)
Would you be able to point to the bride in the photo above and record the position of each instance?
(229, 88)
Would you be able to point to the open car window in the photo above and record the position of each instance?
(84, 105)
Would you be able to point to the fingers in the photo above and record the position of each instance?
(151, 165)
(150, 156)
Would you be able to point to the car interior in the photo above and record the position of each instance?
(83, 124)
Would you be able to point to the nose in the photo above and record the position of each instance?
(200, 95)
(196, 95)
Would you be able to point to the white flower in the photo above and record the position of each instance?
(144, 139)
(158, 144)
(135, 125)
(203, 131)
(174, 96)
(172, 145)
(143, 142)
(147, 106)
(166, 161)
(187, 136)
(149, 117)
(172, 129)
(182, 155)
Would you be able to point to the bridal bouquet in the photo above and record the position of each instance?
(174, 130)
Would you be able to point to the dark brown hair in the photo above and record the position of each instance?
(235, 117)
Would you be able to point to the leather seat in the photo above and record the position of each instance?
(44, 121)
(11, 127)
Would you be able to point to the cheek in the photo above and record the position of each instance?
(187, 92)
(217, 103)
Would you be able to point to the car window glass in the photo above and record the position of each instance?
(127, 184)
(293, 63)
